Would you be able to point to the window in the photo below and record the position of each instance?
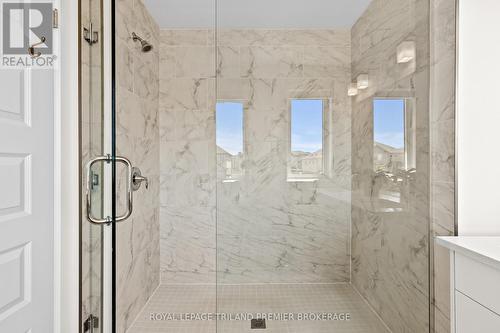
(389, 135)
(306, 139)
(229, 137)
(394, 151)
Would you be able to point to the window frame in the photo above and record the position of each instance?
(409, 122)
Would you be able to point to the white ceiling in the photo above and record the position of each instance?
(257, 13)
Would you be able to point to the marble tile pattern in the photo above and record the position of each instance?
(390, 247)
(268, 230)
(254, 299)
(137, 138)
(442, 130)
(187, 156)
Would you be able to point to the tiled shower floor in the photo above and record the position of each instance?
(274, 298)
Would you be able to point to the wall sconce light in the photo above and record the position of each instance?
(353, 90)
(406, 52)
(362, 81)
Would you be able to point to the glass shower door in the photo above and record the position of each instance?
(113, 248)
(93, 178)
(322, 166)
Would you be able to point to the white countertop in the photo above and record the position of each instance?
(483, 249)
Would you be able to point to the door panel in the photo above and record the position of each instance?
(26, 200)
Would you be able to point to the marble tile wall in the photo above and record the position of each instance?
(390, 242)
(137, 138)
(271, 229)
(442, 130)
(268, 230)
(187, 156)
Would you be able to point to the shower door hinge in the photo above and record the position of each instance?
(90, 35)
(91, 323)
(55, 18)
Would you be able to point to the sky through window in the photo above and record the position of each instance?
(389, 122)
(307, 125)
(229, 127)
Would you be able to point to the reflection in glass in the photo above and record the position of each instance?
(306, 139)
(229, 136)
(393, 151)
(389, 134)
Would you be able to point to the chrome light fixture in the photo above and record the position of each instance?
(406, 52)
(362, 81)
(352, 90)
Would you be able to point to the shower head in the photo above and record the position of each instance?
(145, 45)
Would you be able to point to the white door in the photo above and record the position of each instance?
(26, 200)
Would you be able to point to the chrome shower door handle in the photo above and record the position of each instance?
(130, 191)
(90, 182)
(88, 193)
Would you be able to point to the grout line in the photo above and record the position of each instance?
(144, 307)
(254, 284)
(194, 297)
(371, 308)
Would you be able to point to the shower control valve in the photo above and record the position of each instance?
(138, 179)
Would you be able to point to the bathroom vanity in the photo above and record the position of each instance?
(475, 283)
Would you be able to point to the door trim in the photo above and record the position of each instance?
(67, 172)
(57, 179)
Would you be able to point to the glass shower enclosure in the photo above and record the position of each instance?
(250, 165)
